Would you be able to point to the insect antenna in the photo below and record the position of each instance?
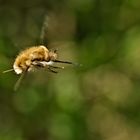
(7, 70)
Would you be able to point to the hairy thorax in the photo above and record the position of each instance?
(24, 60)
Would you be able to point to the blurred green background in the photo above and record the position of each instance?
(99, 100)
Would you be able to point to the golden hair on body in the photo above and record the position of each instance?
(35, 57)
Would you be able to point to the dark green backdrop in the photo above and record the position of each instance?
(99, 100)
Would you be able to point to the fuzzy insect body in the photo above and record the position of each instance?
(33, 57)
(36, 57)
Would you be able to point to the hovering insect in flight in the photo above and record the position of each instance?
(35, 57)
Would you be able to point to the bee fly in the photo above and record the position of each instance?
(35, 57)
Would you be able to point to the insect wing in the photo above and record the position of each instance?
(19, 80)
(44, 32)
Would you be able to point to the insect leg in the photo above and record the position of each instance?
(56, 67)
(52, 70)
(37, 64)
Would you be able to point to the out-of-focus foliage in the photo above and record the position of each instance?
(99, 100)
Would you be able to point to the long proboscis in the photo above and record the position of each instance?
(67, 62)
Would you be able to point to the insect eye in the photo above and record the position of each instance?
(55, 51)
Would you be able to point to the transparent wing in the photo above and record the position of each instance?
(19, 80)
(44, 32)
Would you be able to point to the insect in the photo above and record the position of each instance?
(35, 57)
